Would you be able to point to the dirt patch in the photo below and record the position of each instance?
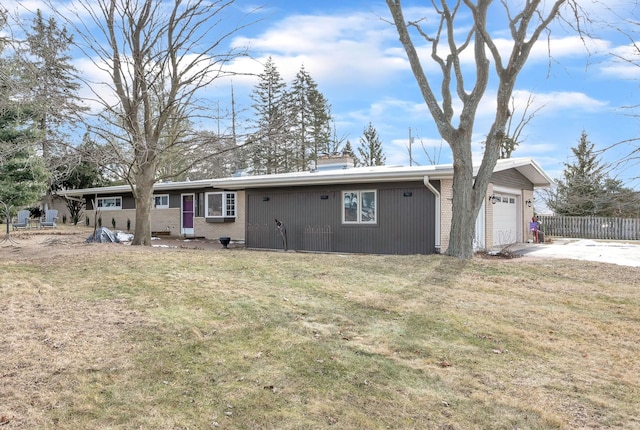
(68, 242)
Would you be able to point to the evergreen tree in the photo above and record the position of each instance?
(301, 116)
(22, 173)
(348, 150)
(53, 87)
(620, 201)
(269, 97)
(370, 149)
(22, 178)
(321, 121)
(581, 192)
(310, 120)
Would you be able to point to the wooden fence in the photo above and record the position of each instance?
(590, 227)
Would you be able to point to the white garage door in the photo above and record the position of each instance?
(505, 219)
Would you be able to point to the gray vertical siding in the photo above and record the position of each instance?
(313, 219)
(511, 178)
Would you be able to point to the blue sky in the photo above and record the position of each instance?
(355, 57)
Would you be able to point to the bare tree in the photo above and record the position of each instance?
(513, 133)
(526, 24)
(159, 56)
(628, 24)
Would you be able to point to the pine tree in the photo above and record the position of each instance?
(22, 176)
(22, 173)
(300, 115)
(310, 116)
(370, 149)
(321, 122)
(54, 89)
(269, 96)
(348, 150)
(620, 201)
(580, 193)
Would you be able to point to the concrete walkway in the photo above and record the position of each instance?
(621, 253)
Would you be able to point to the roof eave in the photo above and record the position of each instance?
(319, 178)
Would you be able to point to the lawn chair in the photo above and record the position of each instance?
(50, 218)
(23, 220)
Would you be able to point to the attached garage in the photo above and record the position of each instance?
(506, 219)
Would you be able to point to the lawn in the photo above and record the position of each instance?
(113, 336)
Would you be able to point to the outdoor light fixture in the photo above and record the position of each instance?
(528, 202)
(492, 199)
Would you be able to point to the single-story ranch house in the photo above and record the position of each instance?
(335, 207)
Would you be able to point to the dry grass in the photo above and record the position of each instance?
(110, 336)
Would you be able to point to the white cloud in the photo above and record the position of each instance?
(24, 9)
(569, 101)
(546, 103)
(333, 49)
(624, 62)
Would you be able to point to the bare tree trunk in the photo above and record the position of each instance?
(463, 217)
(143, 192)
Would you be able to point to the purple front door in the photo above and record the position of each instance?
(187, 214)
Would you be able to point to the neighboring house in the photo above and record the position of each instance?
(334, 208)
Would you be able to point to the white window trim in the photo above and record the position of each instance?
(100, 206)
(224, 195)
(358, 220)
(160, 206)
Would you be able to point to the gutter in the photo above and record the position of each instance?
(438, 207)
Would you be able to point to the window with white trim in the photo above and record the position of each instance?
(220, 205)
(161, 201)
(109, 203)
(359, 207)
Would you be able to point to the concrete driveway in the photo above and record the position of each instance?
(621, 253)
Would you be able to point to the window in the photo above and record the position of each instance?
(199, 202)
(220, 205)
(161, 201)
(109, 203)
(359, 207)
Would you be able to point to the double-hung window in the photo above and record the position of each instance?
(220, 205)
(109, 203)
(359, 207)
(161, 201)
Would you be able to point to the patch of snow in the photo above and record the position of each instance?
(124, 237)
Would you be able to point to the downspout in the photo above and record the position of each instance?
(437, 194)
